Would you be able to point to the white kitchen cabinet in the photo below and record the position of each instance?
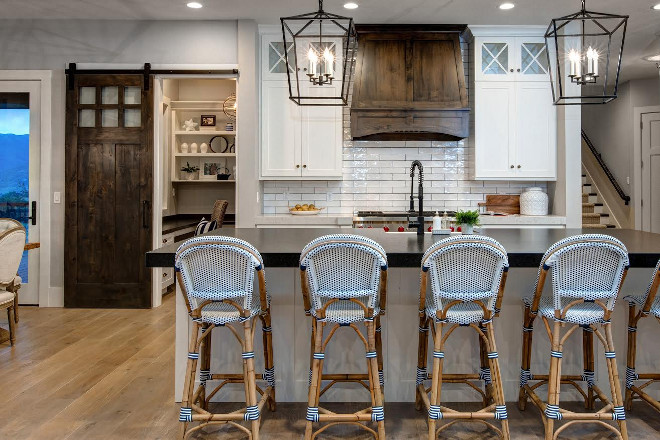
(281, 131)
(515, 119)
(502, 58)
(495, 129)
(297, 142)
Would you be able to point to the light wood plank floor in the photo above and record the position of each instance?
(108, 374)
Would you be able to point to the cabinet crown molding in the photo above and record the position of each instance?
(509, 31)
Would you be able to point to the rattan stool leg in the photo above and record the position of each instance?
(379, 352)
(554, 380)
(615, 385)
(189, 384)
(631, 353)
(268, 354)
(250, 384)
(315, 384)
(205, 364)
(485, 369)
(588, 354)
(496, 377)
(528, 323)
(436, 380)
(422, 349)
(374, 381)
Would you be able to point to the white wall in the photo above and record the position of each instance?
(610, 126)
(50, 44)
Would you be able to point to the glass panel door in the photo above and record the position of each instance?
(494, 58)
(532, 61)
(19, 172)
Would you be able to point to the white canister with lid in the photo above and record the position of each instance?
(533, 201)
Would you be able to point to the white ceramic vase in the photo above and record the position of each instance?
(533, 201)
(189, 176)
(203, 148)
(184, 147)
(193, 147)
(467, 229)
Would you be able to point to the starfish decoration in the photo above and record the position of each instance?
(190, 125)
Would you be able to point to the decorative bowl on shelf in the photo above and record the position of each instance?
(305, 210)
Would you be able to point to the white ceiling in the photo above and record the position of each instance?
(642, 27)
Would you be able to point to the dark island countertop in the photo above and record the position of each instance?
(281, 247)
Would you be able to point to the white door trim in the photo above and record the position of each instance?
(47, 297)
(637, 160)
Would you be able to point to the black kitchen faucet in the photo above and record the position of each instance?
(419, 224)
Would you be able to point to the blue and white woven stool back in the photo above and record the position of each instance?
(465, 268)
(343, 266)
(587, 266)
(217, 268)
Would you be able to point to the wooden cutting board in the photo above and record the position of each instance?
(505, 203)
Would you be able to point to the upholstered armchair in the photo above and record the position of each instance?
(12, 243)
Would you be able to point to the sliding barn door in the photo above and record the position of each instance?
(109, 187)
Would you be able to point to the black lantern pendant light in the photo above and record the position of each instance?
(323, 51)
(584, 53)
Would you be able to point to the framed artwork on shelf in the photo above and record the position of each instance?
(209, 170)
(207, 120)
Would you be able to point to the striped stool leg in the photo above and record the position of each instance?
(185, 414)
(528, 323)
(252, 412)
(554, 381)
(374, 381)
(631, 355)
(619, 413)
(316, 378)
(269, 363)
(436, 381)
(379, 352)
(205, 364)
(485, 371)
(422, 351)
(588, 355)
(496, 377)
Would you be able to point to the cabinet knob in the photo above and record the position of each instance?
(164, 275)
(297, 166)
(511, 166)
(304, 166)
(518, 70)
(164, 240)
(518, 166)
(511, 70)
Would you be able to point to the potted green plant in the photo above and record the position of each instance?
(189, 172)
(468, 220)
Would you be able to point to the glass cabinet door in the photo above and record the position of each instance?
(494, 61)
(532, 59)
(273, 59)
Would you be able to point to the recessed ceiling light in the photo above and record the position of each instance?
(194, 5)
(507, 6)
(656, 7)
(351, 5)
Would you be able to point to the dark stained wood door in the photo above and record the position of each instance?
(109, 187)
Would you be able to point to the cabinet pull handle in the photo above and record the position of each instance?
(145, 218)
(297, 166)
(304, 166)
(511, 166)
(518, 166)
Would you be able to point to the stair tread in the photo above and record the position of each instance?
(595, 214)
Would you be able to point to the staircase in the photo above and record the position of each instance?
(594, 213)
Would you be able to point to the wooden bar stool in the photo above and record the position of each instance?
(344, 279)
(587, 273)
(468, 274)
(216, 276)
(641, 307)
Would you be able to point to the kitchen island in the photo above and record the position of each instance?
(280, 249)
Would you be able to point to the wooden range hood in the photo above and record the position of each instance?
(409, 84)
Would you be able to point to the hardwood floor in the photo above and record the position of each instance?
(108, 374)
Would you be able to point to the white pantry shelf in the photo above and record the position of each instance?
(205, 154)
(203, 181)
(204, 133)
